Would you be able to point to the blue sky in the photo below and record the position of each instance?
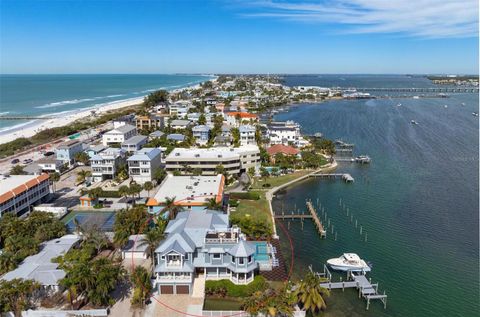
(331, 36)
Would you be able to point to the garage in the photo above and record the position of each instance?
(166, 289)
(183, 289)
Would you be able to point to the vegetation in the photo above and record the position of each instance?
(82, 175)
(310, 294)
(128, 222)
(171, 207)
(313, 160)
(20, 238)
(17, 170)
(155, 98)
(254, 228)
(223, 288)
(271, 302)
(82, 157)
(246, 195)
(54, 178)
(142, 286)
(152, 239)
(17, 295)
(325, 145)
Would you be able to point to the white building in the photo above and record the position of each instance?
(18, 193)
(234, 160)
(247, 134)
(179, 124)
(201, 133)
(40, 268)
(285, 133)
(179, 108)
(119, 135)
(105, 164)
(143, 164)
(135, 143)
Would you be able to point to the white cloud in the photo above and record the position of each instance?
(417, 18)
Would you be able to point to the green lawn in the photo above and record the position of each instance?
(275, 181)
(257, 209)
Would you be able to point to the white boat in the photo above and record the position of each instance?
(413, 122)
(445, 106)
(416, 97)
(349, 262)
(475, 114)
(399, 105)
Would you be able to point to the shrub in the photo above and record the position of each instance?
(233, 203)
(246, 196)
(222, 288)
(266, 185)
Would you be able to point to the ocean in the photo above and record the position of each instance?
(37, 95)
(417, 202)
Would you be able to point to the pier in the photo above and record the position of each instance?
(357, 280)
(346, 177)
(26, 118)
(321, 230)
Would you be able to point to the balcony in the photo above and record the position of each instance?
(174, 277)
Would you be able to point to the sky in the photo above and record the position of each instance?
(232, 36)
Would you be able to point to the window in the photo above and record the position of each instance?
(250, 258)
(241, 260)
(233, 259)
(217, 256)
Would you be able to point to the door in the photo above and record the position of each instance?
(166, 289)
(183, 289)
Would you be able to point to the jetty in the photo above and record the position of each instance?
(318, 224)
(346, 177)
(366, 289)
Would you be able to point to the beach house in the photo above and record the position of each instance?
(65, 152)
(135, 143)
(119, 135)
(201, 242)
(143, 164)
(180, 124)
(105, 164)
(201, 133)
(247, 134)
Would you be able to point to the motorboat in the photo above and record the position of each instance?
(475, 114)
(413, 122)
(445, 106)
(349, 262)
(399, 105)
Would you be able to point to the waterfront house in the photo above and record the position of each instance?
(247, 134)
(201, 241)
(234, 160)
(41, 269)
(119, 135)
(285, 133)
(135, 143)
(66, 151)
(105, 165)
(188, 191)
(143, 164)
(201, 133)
(18, 193)
(282, 149)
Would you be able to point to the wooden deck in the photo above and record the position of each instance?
(321, 230)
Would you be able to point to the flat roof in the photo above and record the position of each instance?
(213, 153)
(190, 190)
(14, 185)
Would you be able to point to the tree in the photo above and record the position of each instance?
(251, 172)
(135, 189)
(159, 175)
(212, 204)
(155, 98)
(270, 303)
(236, 136)
(128, 222)
(16, 295)
(140, 279)
(171, 207)
(82, 157)
(202, 120)
(95, 193)
(264, 173)
(122, 173)
(54, 178)
(124, 191)
(148, 186)
(151, 241)
(82, 175)
(17, 170)
(310, 294)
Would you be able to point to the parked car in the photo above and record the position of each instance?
(49, 153)
(15, 161)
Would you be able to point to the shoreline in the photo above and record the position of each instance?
(30, 128)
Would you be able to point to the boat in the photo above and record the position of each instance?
(475, 114)
(399, 105)
(363, 159)
(445, 106)
(416, 97)
(413, 122)
(349, 262)
(463, 104)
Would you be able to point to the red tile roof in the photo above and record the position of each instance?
(242, 114)
(20, 189)
(284, 149)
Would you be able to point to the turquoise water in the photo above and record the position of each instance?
(417, 202)
(49, 94)
(261, 251)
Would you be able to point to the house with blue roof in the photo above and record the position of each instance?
(201, 243)
(177, 137)
(201, 133)
(143, 164)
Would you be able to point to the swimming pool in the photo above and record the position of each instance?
(103, 220)
(261, 251)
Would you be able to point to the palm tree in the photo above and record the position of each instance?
(310, 294)
(171, 207)
(140, 279)
(16, 295)
(17, 170)
(212, 204)
(124, 191)
(148, 186)
(82, 175)
(82, 157)
(135, 189)
(54, 177)
(94, 193)
(151, 241)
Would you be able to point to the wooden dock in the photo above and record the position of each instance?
(321, 230)
(357, 280)
(293, 216)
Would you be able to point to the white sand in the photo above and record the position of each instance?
(63, 119)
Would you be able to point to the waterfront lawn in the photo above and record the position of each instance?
(225, 304)
(256, 209)
(275, 181)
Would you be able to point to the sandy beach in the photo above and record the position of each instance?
(31, 128)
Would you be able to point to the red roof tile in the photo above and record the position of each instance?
(284, 149)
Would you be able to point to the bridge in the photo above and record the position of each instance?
(419, 89)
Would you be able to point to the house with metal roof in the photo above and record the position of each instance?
(135, 143)
(143, 164)
(202, 242)
(177, 137)
(201, 133)
(40, 268)
(180, 124)
(105, 164)
(119, 134)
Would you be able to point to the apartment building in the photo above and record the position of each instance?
(65, 152)
(105, 164)
(119, 135)
(247, 134)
